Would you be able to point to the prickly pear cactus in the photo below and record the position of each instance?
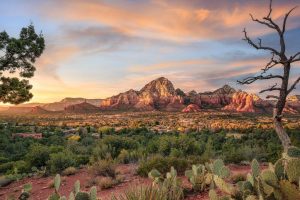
(57, 182)
(82, 196)
(93, 193)
(220, 169)
(72, 196)
(279, 169)
(76, 187)
(198, 177)
(293, 152)
(293, 169)
(269, 177)
(255, 168)
(289, 190)
(54, 196)
(155, 175)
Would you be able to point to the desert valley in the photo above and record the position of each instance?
(149, 100)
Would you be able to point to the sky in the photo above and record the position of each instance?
(99, 48)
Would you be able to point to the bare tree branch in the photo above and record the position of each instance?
(262, 22)
(286, 17)
(293, 86)
(259, 46)
(294, 57)
(270, 9)
(252, 79)
(270, 64)
(272, 88)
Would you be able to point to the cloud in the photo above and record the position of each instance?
(177, 20)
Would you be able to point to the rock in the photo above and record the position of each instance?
(191, 108)
(241, 102)
(217, 98)
(159, 94)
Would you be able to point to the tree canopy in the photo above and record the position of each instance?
(17, 58)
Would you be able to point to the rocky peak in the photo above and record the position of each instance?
(160, 87)
(226, 89)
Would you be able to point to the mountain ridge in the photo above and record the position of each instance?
(160, 94)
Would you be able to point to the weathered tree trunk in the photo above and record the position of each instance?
(283, 136)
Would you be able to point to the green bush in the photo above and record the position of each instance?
(38, 155)
(6, 166)
(124, 157)
(104, 168)
(60, 161)
(162, 164)
(69, 171)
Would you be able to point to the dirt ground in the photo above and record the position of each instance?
(41, 187)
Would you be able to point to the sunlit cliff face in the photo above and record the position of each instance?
(96, 49)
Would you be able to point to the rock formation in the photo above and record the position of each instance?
(241, 102)
(159, 94)
(191, 108)
(217, 98)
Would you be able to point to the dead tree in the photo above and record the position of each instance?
(279, 58)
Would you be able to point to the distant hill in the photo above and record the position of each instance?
(61, 105)
(83, 107)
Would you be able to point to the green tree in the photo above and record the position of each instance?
(18, 55)
(38, 155)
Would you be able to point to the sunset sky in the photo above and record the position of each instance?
(96, 49)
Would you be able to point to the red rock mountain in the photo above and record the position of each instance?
(217, 98)
(159, 94)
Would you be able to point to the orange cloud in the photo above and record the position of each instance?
(165, 20)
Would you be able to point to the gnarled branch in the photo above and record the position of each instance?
(286, 17)
(272, 88)
(293, 86)
(252, 79)
(259, 45)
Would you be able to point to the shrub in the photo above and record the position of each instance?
(22, 166)
(106, 182)
(124, 156)
(38, 155)
(104, 168)
(69, 171)
(6, 166)
(60, 161)
(162, 164)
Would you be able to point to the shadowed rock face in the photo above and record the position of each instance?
(217, 98)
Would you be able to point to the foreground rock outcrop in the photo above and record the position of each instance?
(241, 102)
